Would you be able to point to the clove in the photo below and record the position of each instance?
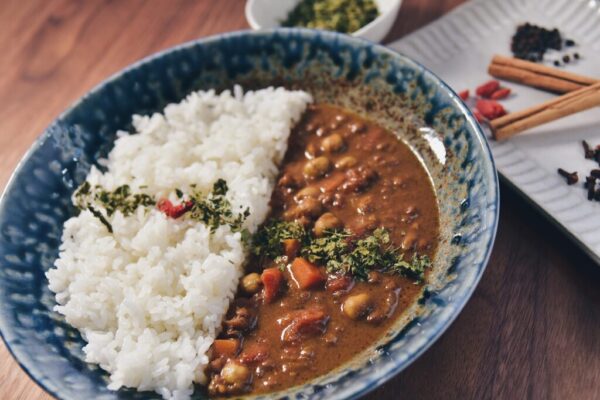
(589, 153)
(590, 184)
(571, 177)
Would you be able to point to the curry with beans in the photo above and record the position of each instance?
(344, 251)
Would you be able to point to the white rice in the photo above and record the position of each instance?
(149, 298)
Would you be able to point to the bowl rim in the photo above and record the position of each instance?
(250, 18)
(478, 137)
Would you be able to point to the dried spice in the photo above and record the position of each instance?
(571, 177)
(588, 152)
(500, 94)
(490, 109)
(593, 193)
(590, 185)
(530, 42)
(487, 89)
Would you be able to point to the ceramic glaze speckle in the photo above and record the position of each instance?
(394, 91)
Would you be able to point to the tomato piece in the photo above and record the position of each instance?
(254, 352)
(336, 283)
(271, 279)
(174, 211)
(305, 274)
(305, 323)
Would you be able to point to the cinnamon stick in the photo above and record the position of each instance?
(567, 104)
(536, 75)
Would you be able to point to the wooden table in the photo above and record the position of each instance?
(532, 328)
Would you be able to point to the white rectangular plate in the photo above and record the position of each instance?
(459, 46)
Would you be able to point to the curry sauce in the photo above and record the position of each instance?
(341, 173)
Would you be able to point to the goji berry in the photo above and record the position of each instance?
(174, 211)
(501, 93)
(478, 116)
(464, 94)
(487, 89)
(490, 109)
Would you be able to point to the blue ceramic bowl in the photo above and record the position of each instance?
(388, 87)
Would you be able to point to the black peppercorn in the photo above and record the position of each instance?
(556, 63)
(530, 42)
(569, 43)
(576, 56)
(566, 59)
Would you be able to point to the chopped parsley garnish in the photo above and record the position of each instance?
(338, 252)
(267, 241)
(120, 199)
(213, 209)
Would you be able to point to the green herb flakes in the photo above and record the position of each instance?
(338, 252)
(344, 16)
(215, 210)
(267, 241)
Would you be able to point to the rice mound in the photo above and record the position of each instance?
(149, 298)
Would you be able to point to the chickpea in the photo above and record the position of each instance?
(310, 206)
(309, 191)
(251, 283)
(311, 151)
(346, 162)
(316, 167)
(357, 306)
(327, 221)
(332, 143)
(233, 373)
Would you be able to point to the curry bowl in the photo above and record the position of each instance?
(341, 70)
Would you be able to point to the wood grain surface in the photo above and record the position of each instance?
(532, 328)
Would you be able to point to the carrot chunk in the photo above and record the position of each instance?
(271, 279)
(225, 347)
(306, 274)
(291, 247)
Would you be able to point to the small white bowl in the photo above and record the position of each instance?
(264, 14)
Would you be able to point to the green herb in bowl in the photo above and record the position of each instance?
(344, 16)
